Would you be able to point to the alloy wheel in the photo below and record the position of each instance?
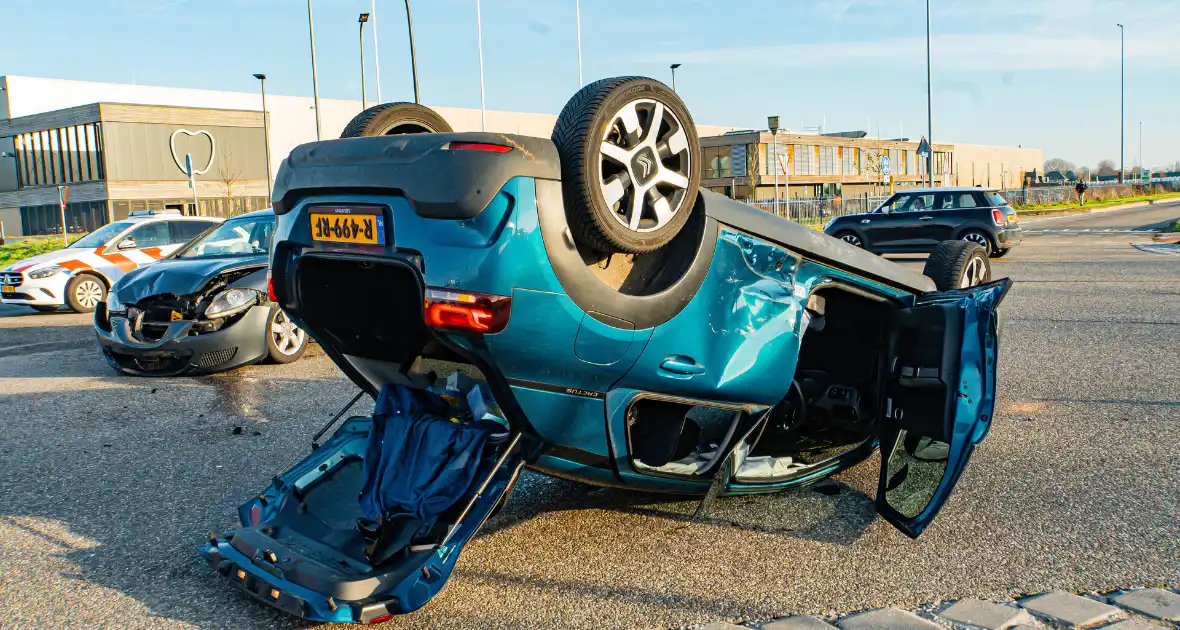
(287, 337)
(851, 239)
(88, 293)
(645, 165)
(978, 239)
(973, 273)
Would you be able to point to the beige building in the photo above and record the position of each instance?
(745, 165)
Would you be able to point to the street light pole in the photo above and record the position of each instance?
(578, 14)
(315, 82)
(483, 110)
(364, 17)
(376, 51)
(772, 125)
(413, 59)
(1141, 169)
(265, 132)
(674, 67)
(929, 107)
(1122, 102)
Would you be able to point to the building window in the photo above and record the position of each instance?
(81, 217)
(715, 162)
(64, 155)
(828, 164)
(803, 159)
(939, 163)
(851, 160)
(897, 161)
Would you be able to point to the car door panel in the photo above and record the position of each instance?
(940, 386)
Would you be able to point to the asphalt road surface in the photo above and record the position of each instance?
(108, 482)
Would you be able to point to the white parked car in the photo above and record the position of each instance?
(78, 276)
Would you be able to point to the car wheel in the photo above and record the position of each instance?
(958, 265)
(44, 309)
(392, 119)
(629, 151)
(851, 238)
(1000, 253)
(980, 239)
(285, 342)
(84, 292)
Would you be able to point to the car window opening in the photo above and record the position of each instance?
(829, 411)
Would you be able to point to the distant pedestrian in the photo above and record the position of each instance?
(1081, 187)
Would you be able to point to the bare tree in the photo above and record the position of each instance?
(230, 177)
(1058, 164)
(1106, 168)
(874, 164)
(752, 161)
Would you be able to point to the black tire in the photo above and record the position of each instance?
(44, 309)
(979, 238)
(275, 353)
(844, 235)
(591, 119)
(950, 262)
(391, 119)
(1000, 253)
(81, 292)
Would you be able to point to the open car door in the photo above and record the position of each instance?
(940, 393)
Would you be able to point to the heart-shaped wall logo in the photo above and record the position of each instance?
(179, 159)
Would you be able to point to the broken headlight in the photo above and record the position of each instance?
(113, 303)
(232, 301)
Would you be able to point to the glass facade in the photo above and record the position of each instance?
(803, 159)
(851, 160)
(64, 155)
(81, 217)
(829, 163)
(715, 162)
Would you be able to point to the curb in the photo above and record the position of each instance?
(1068, 212)
(1129, 609)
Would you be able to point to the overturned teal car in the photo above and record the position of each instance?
(614, 325)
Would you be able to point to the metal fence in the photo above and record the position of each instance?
(819, 210)
(1051, 195)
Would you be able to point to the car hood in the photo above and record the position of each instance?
(48, 258)
(182, 276)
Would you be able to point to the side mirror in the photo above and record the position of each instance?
(127, 243)
(884, 210)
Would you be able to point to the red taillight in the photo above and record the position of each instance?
(377, 620)
(998, 216)
(477, 312)
(480, 146)
(270, 288)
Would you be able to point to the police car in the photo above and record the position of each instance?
(78, 276)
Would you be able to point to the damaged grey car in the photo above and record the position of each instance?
(203, 309)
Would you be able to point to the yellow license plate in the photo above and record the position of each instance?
(7, 289)
(364, 229)
(176, 316)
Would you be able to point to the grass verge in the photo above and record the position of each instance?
(29, 247)
(1100, 203)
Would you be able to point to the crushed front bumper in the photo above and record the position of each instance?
(178, 352)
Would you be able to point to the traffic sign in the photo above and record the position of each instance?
(924, 148)
(885, 166)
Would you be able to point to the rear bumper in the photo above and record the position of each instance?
(179, 353)
(1009, 237)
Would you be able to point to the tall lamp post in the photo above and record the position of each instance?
(929, 107)
(413, 59)
(1122, 101)
(364, 17)
(265, 131)
(674, 67)
(483, 110)
(772, 125)
(315, 82)
(376, 51)
(578, 18)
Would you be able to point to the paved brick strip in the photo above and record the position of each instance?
(1138, 609)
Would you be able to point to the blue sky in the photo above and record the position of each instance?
(1042, 73)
